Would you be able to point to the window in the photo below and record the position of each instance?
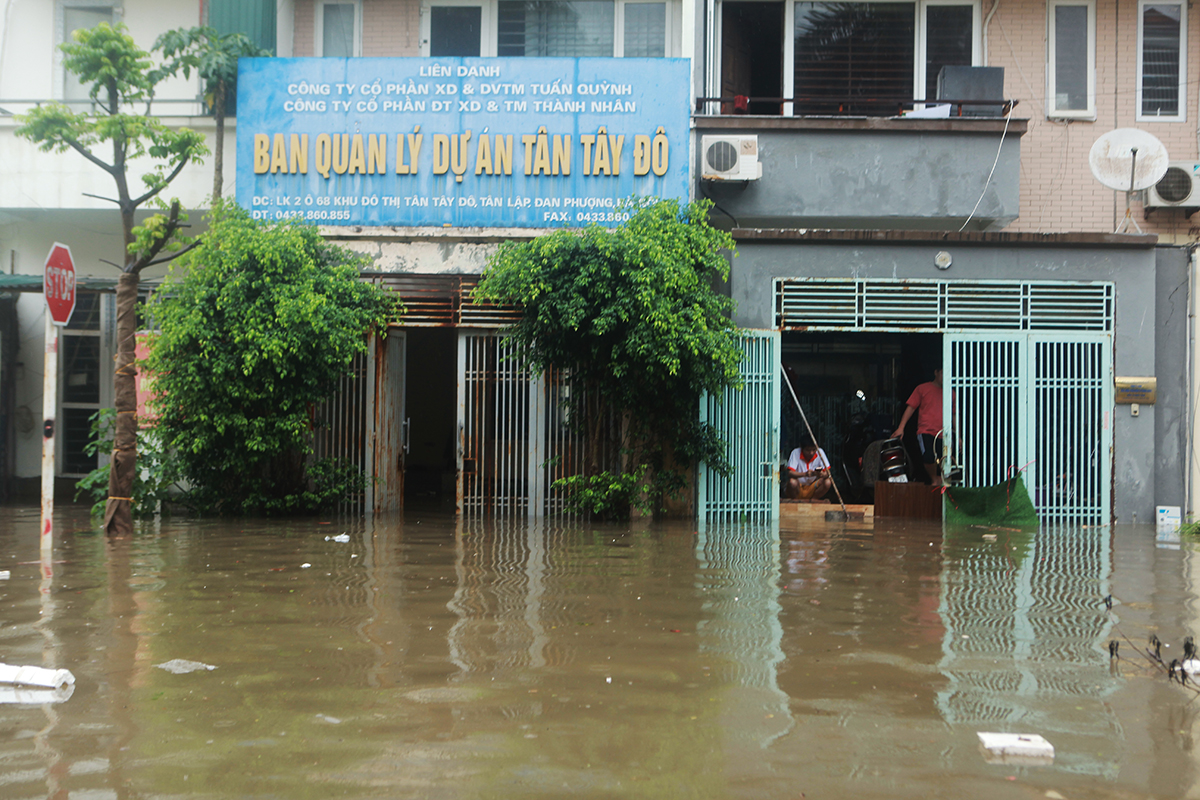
(844, 56)
(80, 388)
(337, 30)
(1162, 68)
(645, 27)
(1071, 73)
(564, 28)
(80, 17)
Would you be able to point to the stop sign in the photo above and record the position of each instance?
(58, 284)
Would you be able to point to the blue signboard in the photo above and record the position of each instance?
(463, 142)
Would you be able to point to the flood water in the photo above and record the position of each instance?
(429, 659)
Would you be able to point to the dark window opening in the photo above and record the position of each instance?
(455, 31)
(949, 42)
(853, 58)
(752, 55)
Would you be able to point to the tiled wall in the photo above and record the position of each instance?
(391, 27)
(1058, 192)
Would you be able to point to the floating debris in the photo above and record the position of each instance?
(180, 666)
(35, 676)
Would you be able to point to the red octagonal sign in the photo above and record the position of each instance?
(58, 284)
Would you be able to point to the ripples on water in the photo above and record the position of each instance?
(428, 659)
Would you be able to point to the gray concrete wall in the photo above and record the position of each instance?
(1171, 369)
(870, 174)
(1132, 270)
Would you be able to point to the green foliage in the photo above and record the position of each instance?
(607, 495)
(119, 74)
(633, 315)
(256, 327)
(156, 482)
(213, 56)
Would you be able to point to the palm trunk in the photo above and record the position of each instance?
(219, 145)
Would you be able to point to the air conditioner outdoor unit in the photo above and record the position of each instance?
(729, 158)
(1178, 188)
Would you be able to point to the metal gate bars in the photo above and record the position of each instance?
(1040, 401)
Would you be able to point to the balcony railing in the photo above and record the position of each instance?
(853, 106)
(174, 107)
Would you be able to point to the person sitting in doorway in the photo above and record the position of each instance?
(926, 402)
(806, 476)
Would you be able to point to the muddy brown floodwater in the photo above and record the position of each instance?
(425, 658)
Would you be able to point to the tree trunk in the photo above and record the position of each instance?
(118, 511)
(219, 145)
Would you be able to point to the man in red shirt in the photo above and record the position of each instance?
(926, 402)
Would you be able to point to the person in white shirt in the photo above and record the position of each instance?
(806, 476)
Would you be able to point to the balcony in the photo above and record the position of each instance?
(895, 173)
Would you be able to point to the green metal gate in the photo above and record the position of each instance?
(1041, 401)
(749, 421)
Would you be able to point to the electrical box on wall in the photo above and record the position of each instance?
(729, 158)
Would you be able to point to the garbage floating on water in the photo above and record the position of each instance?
(180, 666)
(5, 574)
(35, 676)
(329, 719)
(1027, 749)
(35, 695)
(341, 537)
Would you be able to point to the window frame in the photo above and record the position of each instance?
(1052, 111)
(920, 76)
(490, 33)
(105, 332)
(319, 26)
(60, 26)
(919, 43)
(1181, 86)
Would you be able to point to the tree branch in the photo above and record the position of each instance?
(98, 197)
(83, 151)
(168, 231)
(112, 264)
(174, 173)
(173, 256)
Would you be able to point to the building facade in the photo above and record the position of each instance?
(879, 231)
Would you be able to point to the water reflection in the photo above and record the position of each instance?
(428, 658)
(1026, 633)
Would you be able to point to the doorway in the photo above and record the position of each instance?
(853, 388)
(429, 403)
(752, 55)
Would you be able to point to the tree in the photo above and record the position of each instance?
(122, 75)
(215, 58)
(256, 326)
(632, 315)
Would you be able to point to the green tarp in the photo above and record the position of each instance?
(1005, 505)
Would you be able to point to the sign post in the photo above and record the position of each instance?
(58, 287)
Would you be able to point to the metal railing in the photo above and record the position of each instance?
(12, 106)
(848, 106)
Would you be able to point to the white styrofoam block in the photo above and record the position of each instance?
(35, 676)
(35, 695)
(1010, 748)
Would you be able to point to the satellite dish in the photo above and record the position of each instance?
(1128, 160)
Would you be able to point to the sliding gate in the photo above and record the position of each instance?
(1041, 402)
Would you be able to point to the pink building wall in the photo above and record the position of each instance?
(1058, 192)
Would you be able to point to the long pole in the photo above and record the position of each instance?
(804, 417)
(49, 405)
